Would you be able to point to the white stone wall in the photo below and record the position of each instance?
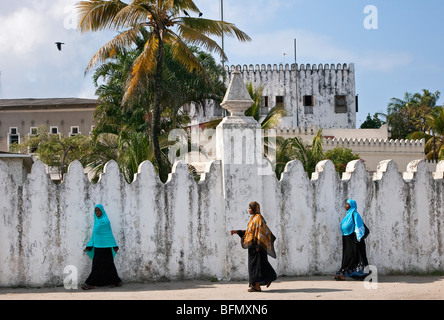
(180, 229)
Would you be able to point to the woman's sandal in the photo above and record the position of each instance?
(253, 289)
(116, 285)
(86, 287)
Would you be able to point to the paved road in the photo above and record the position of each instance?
(286, 288)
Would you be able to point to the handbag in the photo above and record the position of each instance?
(366, 229)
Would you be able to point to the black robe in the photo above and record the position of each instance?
(103, 271)
(354, 256)
(259, 269)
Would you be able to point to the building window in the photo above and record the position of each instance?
(265, 102)
(54, 130)
(74, 131)
(13, 136)
(340, 104)
(265, 105)
(33, 131)
(279, 99)
(308, 102)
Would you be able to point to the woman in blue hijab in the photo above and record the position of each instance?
(102, 248)
(354, 256)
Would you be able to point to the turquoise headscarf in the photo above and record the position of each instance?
(102, 235)
(347, 225)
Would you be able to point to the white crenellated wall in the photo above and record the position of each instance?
(180, 229)
(372, 145)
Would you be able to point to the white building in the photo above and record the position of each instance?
(313, 95)
(321, 96)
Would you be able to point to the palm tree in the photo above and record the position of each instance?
(162, 21)
(426, 104)
(435, 146)
(272, 118)
(398, 116)
(295, 148)
(129, 149)
(308, 155)
(409, 115)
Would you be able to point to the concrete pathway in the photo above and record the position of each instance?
(285, 288)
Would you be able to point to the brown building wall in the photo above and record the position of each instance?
(60, 113)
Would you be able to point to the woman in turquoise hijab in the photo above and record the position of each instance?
(102, 248)
(354, 256)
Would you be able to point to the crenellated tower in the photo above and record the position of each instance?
(313, 95)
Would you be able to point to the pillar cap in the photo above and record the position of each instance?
(237, 99)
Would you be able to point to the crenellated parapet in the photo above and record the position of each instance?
(394, 146)
(291, 67)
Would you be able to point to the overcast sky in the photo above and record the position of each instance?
(396, 45)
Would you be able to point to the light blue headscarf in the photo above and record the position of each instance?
(102, 235)
(347, 225)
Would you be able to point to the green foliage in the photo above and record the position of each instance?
(129, 149)
(372, 122)
(309, 155)
(418, 135)
(55, 150)
(410, 114)
(122, 131)
(294, 148)
(340, 156)
(434, 147)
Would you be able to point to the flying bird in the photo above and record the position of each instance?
(186, 13)
(59, 45)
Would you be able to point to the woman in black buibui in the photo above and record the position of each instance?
(101, 249)
(354, 256)
(259, 241)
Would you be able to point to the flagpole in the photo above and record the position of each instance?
(222, 19)
(296, 82)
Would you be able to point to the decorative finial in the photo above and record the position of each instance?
(237, 99)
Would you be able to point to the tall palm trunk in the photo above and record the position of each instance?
(157, 108)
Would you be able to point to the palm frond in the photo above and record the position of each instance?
(274, 116)
(317, 145)
(98, 14)
(131, 15)
(214, 27)
(175, 7)
(256, 95)
(144, 65)
(116, 45)
(195, 37)
(185, 4)
(182, 53)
